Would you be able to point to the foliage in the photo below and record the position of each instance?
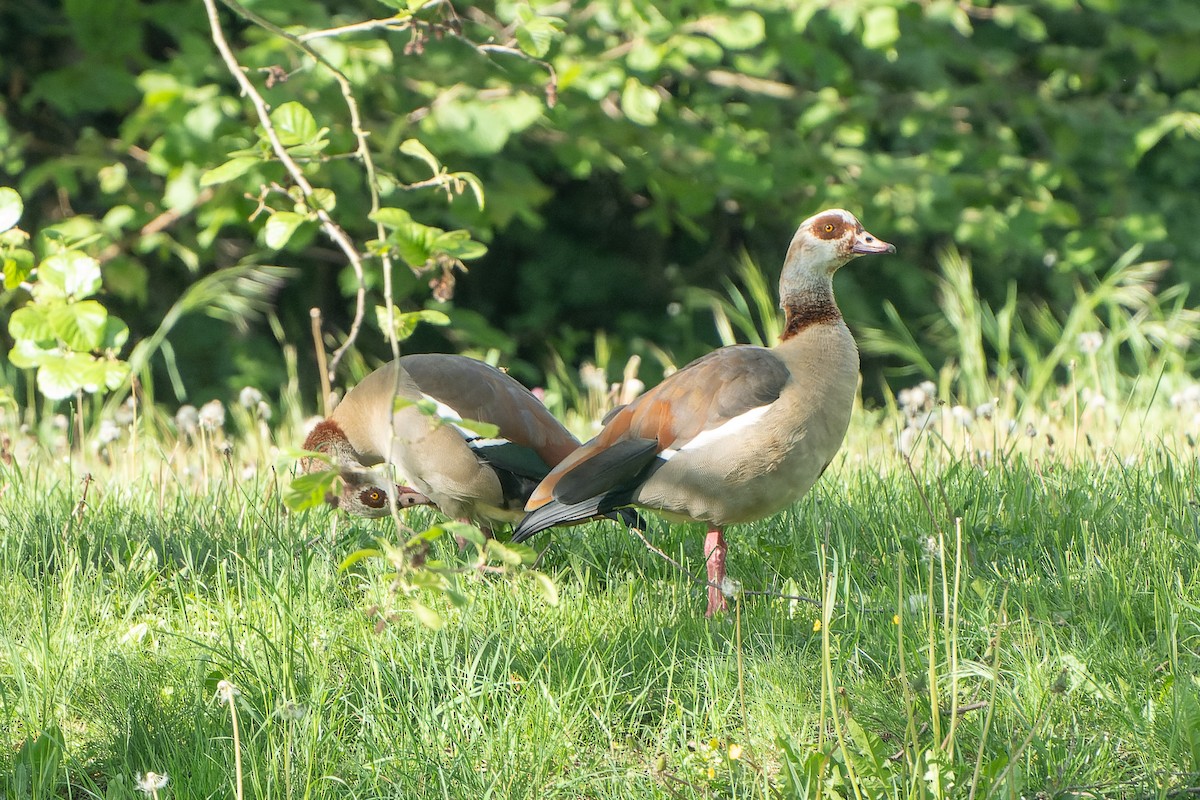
(67, 337)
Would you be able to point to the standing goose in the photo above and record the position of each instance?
(738, 434)
(465, 475)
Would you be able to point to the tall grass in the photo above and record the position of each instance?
(987, 629)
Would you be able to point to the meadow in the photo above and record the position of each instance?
(986, 607)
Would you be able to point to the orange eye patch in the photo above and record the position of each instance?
(829, 227)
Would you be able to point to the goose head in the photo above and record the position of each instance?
(828, 240)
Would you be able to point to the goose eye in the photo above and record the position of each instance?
(373, 498)
(829, 227)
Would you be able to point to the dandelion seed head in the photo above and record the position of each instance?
(109, 432)
(126, 413)
(291, 711)
(212, 415)
(1089, 342)
(187, 420)
(986, 410)
(593, 378)
(226, 691)
(249, 398)
(962, 415)
(151, 782)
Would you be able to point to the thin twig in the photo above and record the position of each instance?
(331, 228)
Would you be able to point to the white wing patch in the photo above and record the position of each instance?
(731, 427)
(449, 414)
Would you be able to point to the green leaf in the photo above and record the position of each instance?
(357, 556)
(740, 32)
(113, 178)
(310, 489)
(322, 198)
(485, 429)
(404, 323)
(11, 208)
(233, 168)
(62, 374)
(427, 616)
(68, 274)
(546, 588)
(27, 354)
(80, 326)
(510, 554)
(31, 322)
(469, 532)
(391, 218)
(471, 180)
(640, 102)
(116, 333)
(18, 264)
(38, 761)
(881, 28)
(280, 227)
(414, 148)
(535, 33)
(108, 373)
(459, 244)
(295, 125)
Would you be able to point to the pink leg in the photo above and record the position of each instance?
(714, 554)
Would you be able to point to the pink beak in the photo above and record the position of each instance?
(866, 243)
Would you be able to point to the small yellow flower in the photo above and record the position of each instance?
(712, 773)
(816, 625)
(713, 744)
(895, 619)
(735, 752)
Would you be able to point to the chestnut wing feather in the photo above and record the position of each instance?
(702, 396)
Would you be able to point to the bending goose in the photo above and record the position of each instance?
(738, 434)
(465, 475)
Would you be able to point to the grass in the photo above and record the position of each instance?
(986, 625)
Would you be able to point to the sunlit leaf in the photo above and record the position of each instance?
(11, 208)
(546, 588)
(405, 322)
(740, 31)
(231, 169)
(80, 326)
(68, 274)
(427, 616)
(485, 429)
(32, 322)
(357, 556)
(309, 490)
(296, 125)
(640, 102)
(414, 148)
(280, 227)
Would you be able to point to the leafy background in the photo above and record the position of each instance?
(1039, 140)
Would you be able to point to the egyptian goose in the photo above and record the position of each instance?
(467, 476)
(738, 434)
